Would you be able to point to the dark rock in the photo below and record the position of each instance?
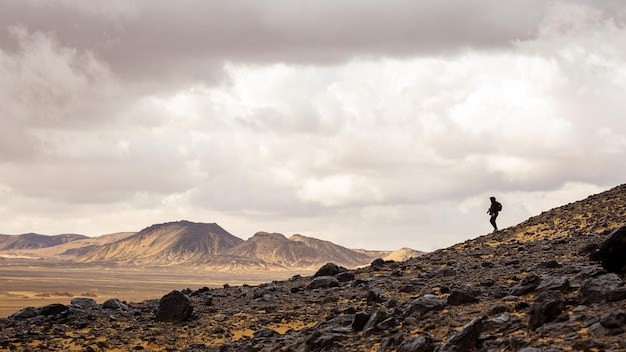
(174, 307)
(447, 272)
(550, 264)
(596, 289)
(425, 304)
(554, 283)
(84, 303)
(53, 309)
(114, 303)
(613, 320)
(345, 276)
(25, 313)
(466, 339)
(545, 308)
(527, 285)
(360, 319)
(372, 324)
(417, 344)
(464, 294)
(613, 251)
(377, 263)
(329, 269)
(323, 282)
(373, 296)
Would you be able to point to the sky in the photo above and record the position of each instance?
(371, 124)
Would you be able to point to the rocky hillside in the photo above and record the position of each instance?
(537, 286)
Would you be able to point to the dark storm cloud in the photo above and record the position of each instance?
(193, 38)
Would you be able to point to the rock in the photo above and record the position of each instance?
(527, 285)
(84, 303)
(465, 293)
(323, 282)
(597, 289)
(174, 307)
(465, 339)
(613, 320)
(372, 324)
(554, 283)
(329, 269)
(25, 313)
(417, 344)
(345, 276)
(114, 303)
(53, 309)
(359, 321)
(545, 308)
(613, 251)
(425, 304)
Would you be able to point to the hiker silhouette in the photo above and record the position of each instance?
(493, 210)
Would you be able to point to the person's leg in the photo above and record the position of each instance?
(492, 220)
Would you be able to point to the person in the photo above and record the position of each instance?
(493, 210)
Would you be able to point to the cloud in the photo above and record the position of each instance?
(372, 125)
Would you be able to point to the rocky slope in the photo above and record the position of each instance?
(533, 287)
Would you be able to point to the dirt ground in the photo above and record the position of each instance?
(38, 284)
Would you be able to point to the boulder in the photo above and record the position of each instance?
(174, 307)
(425, 304)
(329, 269)
(527, 285)
(114, 303)
(53, 309)
(545, 308)
(323, 282)
(613, 251)
(464, 294)
(598, 289)
(417, 344)
(465, 339)
(84, 303)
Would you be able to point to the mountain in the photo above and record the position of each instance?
(297, 251)
(35, 240)
(165, 244)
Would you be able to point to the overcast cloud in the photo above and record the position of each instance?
(371, 124)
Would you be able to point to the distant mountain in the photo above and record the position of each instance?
(165, 244)
(205, 246)
(35, 240)
(296, 251)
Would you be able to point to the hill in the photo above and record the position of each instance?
(34, 240)
(536, 286)
(165, 244)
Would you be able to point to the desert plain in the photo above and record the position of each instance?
(31, 283)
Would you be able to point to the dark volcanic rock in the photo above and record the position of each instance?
(598, 289)
(323, 282)
(527, 285)
(329, 269)
(417, 344)
(466, 339)
(545, 308)
(174, 307)
(464, 294)
(613, 251)
(53, 309)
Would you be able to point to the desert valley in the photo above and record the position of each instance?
(38, 269)
(554, 282)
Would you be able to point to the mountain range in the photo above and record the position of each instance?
(199, 245)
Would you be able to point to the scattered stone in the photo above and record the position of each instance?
(114, 303)
(466, 339)
(527, 285)
(417, 344)
(329, 269)
(545, 308)
(597, 289)
(84, 303)
(464, 294)
(613, 251)
(425, 304)
(53, 309)
(174, 307)
(613, 320)
(323, 282)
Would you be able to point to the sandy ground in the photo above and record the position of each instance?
(36, 284)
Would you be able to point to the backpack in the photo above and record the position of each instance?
(499, 206)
